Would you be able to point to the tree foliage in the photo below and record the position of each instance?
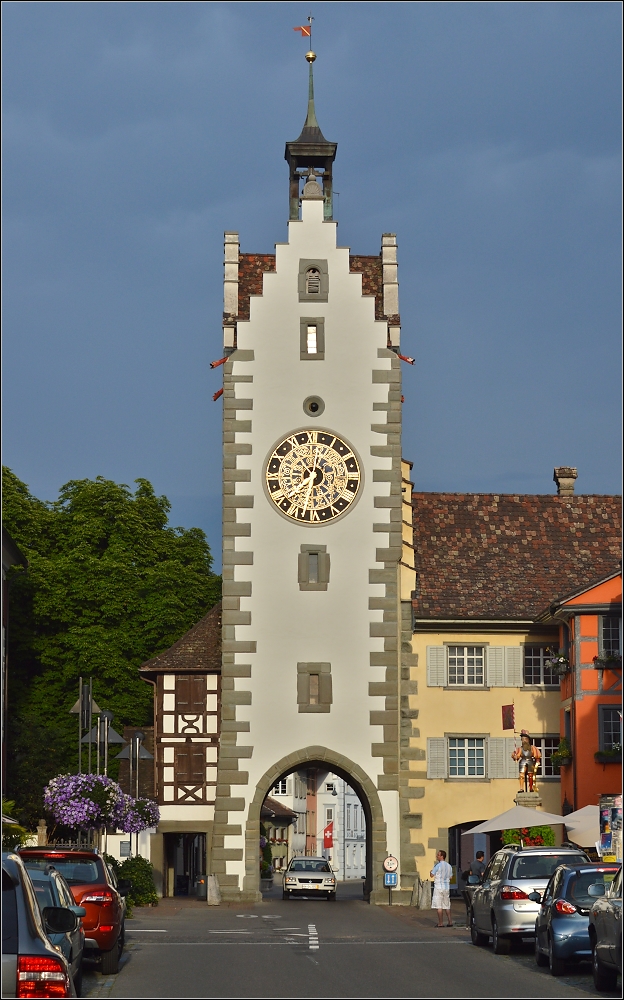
(109, 584)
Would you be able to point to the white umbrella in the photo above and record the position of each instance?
(583, 826)
(515, 819)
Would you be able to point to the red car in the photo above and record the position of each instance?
(94, 887)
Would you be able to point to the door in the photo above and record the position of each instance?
(613, 922)
(482, 899)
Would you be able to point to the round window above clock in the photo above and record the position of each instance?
(313, 476)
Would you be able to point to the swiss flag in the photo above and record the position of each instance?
(328, 835)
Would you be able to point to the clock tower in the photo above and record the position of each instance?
(316, 604)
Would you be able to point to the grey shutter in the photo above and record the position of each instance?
(325, 689)
(511, 766)
(436, 666)
(323, 565)
(303, 689)
(436, 757)
(513, 666)
(304, 567)
(495, 666)
(496, 757)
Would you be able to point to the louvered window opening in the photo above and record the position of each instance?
(313, 281)
(465, 665)
(536, 670)
(466, 757)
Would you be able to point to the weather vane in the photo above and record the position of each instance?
(306, 32)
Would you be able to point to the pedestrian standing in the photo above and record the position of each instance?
(441, 899)
(477, 867)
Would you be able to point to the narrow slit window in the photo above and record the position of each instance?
(312, 342)
(314, 689)
(313, 571)
(313, 281)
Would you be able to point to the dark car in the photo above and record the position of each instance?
(31, 966)
(51, 889)
(503, 905)
(562, 925)
(92, 886)
(605, 933)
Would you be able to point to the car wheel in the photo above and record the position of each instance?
(121, 940)
(555, 964)
(285, 894)
(110, 961)
(540, 957)
(475, 935)
(500, 942)
(331, 897)
(605, 980)
(78, 981)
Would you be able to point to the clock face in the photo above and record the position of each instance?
(313, 476)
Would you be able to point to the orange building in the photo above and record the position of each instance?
(591, 690)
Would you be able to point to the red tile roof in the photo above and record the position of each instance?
(198, 649)
(489, 556)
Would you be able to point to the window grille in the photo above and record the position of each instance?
(313, 281)
(280, 787)
(536, 670)
(548, 745)
(466, 757)
(465, 665)
(611, 628)
(610, 727)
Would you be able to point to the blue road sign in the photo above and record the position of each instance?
(391, 879)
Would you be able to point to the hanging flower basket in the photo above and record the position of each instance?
(558, 663)
(94, 801)
(562, 757)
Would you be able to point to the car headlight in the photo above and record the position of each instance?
(289, 879)
(329, 881)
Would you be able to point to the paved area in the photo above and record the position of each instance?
(315, 948)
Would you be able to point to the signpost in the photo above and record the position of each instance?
(391, 876)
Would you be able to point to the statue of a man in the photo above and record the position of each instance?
(528, 756)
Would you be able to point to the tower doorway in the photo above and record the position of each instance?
(185, 862)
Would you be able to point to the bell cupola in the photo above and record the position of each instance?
(310, 159)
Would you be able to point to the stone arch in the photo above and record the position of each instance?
(321, 757)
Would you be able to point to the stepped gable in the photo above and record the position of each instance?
(199, 649)
(488, 556)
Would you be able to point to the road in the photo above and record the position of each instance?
(312, 948)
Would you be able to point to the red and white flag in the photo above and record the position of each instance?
(305, 29)
(328, 835)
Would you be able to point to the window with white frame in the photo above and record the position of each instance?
(611, 634)
(536, 669)
(465, 665)
(280, 787)
(355, 818)
(610, 719)
(466, 757)
(348, 817)
(548, 745)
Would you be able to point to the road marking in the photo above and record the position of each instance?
(145, 930)
(247, 916)
(236, 931)
(271, 916)
(313, 936)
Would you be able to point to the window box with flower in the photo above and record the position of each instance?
(608, 661)
(562, 757)
(612, 755)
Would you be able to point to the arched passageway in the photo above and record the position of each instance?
(322, 759)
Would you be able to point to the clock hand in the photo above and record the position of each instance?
(297, 489)
(312, 477)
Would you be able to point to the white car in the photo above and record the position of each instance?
(309, 877)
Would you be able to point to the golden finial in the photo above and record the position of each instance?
(310, 56)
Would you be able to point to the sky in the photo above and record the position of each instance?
(486, 135)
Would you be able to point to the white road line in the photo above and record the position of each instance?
(247, 916)
(313, 936)
(230, 932)
(145, 930)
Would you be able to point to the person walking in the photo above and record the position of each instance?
(441, 899)
(477, 867)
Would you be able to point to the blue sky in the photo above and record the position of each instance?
(486, 135)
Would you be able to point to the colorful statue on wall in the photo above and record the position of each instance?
(528, 757)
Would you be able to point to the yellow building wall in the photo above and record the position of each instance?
(448, 802)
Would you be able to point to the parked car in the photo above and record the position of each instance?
(31, 965)
(309, 877)
(501, 907)
(51, 889)
(562, 925)
(92, 886)
(605, 933)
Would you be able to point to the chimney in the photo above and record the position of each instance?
(564, 478)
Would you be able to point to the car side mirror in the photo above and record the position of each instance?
(473, 880)
(59, 920)
(535, 896)
(597, 889)
(80, 911)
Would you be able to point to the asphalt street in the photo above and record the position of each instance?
(312, 948)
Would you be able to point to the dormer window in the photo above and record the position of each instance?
(313, 281)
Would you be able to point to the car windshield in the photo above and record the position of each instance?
(76, 871)
(306, 865)
(44, 894)
(542, 866)
(579, 884)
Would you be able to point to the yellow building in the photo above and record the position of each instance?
(484, 567)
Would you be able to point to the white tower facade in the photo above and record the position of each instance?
(312, 511)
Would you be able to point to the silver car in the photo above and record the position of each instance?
(501, 908)
(309, 877)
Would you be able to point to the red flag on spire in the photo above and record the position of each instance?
(305, 29)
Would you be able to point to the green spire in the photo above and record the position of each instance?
(311, 121)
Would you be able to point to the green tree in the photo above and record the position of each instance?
(109, 584)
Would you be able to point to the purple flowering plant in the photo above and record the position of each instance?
(92, 801)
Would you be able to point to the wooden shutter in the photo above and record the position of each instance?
(323, 564)
(513, 666)
(183, 694)
(303, 689)
(436, 666)
(511, 766)
(198, 693)
(436, 757)
(496, 757)
(325, 689)
(495, 666)
(183, 764)
(304, 567)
